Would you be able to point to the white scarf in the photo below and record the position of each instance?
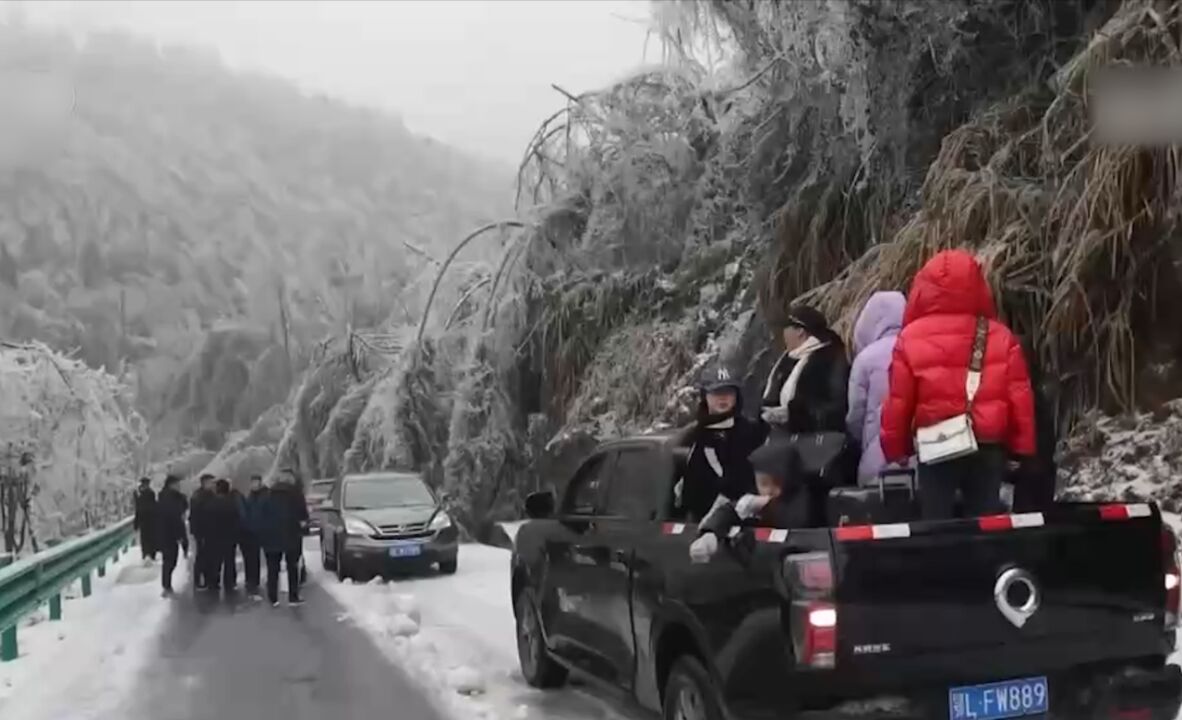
(801, 354)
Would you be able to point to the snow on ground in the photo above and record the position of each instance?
(455, 635)
(1126, 457)
(82, 666)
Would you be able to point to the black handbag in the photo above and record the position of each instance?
(819, 457)
(891, 500)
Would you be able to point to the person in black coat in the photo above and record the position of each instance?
(1035, 478)
(284, 518)
(807, 389)
(253, 507)
(224, 516)
(145, 518)
(204, 563)
(782, 502)
(720, 440)
(170, 529)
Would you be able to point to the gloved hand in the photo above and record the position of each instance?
(702, 549)
(774, 415)
(749, 506)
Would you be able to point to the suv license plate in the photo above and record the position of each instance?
(406, 551)
(1009, 699)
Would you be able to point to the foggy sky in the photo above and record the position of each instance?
(474, 74)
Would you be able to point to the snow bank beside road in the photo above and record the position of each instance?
(82, 667)
(455, 635)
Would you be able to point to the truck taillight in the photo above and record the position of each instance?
(813, 614)
(1173, 578)
(809, 575)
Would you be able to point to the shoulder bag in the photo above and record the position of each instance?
(953, 438)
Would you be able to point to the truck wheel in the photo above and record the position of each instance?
(690, 693)
(342, 569)
(538, 668)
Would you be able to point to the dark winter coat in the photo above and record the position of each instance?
(253, 509)
(1034, 483)
(170, 517)
(284, 515)
(821, 397)
(199, 518)
(711, 449)
(931, 360)
(224, 517)
(145, 509)
(791, 509)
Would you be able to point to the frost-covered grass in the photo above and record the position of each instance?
(82, 667)
(1130, 457)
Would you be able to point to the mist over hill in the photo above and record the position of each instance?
(197, 231)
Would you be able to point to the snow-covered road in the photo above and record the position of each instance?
(83, 667)
(455, 635)
(116, 653)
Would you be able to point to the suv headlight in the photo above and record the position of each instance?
(440, 521)
(357, 526)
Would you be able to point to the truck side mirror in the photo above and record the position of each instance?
(539, 505)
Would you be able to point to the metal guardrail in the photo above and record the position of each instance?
(27, 583)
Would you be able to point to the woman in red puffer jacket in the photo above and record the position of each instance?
(929, 368)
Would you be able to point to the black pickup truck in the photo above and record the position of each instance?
(1069, 613)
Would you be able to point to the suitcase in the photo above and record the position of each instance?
(891, 500)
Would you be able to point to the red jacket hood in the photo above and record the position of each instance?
(951, 283)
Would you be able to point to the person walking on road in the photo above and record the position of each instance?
(170, 529)
(285, 517)
(145, 519)
(253, 526)
(199, 525)
(224, 525)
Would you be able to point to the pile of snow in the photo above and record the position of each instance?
(114, 629)
(1128, 457)
(455, 636)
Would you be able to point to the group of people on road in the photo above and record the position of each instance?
(935, 369)
(266, 522)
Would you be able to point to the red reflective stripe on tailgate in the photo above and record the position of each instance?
(1114, 512)
(854, 533)
(762, 534)
(995, 523)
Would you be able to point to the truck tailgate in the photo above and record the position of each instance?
(923, 591)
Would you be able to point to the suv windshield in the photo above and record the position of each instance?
(384, 492)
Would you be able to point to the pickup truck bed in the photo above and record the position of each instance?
(1065, 614)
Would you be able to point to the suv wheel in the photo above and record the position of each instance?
(342, 569)
(690, 693)
(449, 567)
(537, 667)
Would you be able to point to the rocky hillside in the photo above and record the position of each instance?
(841, 145)
(199, 232)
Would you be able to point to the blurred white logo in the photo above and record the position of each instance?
(1137, 106)
(35, 106)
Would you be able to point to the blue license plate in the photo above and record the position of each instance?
(1009, 699)
(400, 551)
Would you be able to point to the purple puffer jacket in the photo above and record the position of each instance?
(874, 340)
